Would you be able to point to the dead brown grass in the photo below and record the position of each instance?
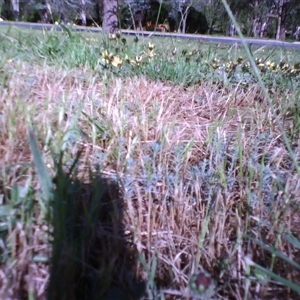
(166, 221)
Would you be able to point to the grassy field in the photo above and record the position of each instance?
(147, 168)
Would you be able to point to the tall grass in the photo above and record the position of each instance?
(130, 171)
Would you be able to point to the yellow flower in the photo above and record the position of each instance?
(258, 61)
(292, 71)
(247, 64)
(272, 66)
(138, 60)
(281, 64)
(117, 61)
(151, 54)
(151, 46)
(229, 66)
(215, 65)
(297, 66)
(285, 67)
(107, 57)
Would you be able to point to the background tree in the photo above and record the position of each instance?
(10, 9)
(110, 16)
(289, 12)
(48, 10)
(83, 12)
(258, 18)
(212, 10)
(16, 9)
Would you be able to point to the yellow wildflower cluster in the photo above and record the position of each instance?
(109, 58)
(280, 67)
(119, 57)
(264, 66)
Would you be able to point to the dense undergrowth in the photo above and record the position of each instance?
(147, 168)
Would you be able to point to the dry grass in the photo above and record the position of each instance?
(204, 172)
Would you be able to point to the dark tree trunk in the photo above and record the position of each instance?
(110, 16)
(279, 23)
(16, 9)
(46, 13)
(83, 12)
(138, 18)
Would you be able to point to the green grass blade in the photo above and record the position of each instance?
(292, 240)
(65, 28)
(42, 172)
(98, 125)
(276, 253)
(276, 277)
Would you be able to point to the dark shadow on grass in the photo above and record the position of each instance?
(91, 258)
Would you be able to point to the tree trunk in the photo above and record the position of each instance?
(232, 29)
(255, 28)
(83, 12)
(256, 22)
(110, 16)
(138, 18)
(184, 12)
(16, 9)
(297, 33)
(279, 31)
(263, 29)
(46, 13)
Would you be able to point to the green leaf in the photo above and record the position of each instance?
(276, 277)
(293, 240)
(42, 172)
(276, 253)
(98, 125)
(65, 28)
